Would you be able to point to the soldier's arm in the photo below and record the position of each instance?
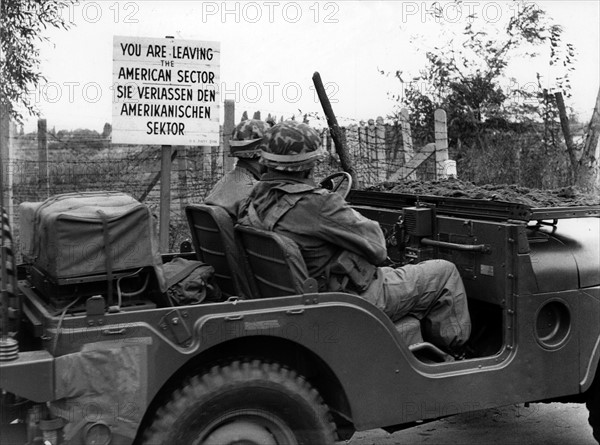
(344, 226)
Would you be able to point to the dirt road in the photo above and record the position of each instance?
(548, 424)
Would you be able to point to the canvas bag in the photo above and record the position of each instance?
(81, 234)
(190, 282)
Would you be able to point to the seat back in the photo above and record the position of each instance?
(275, 262)
(215, 243)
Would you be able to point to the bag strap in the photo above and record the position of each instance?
(295, 192)
(108, 255)
(188, 269)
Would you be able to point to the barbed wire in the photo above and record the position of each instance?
(78, 163)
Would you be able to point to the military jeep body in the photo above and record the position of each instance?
(276, 362)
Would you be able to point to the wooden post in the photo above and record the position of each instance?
(165, 198)
(155, 180)
(165, 194)
(214, 161)
(228, 126)
(182, 167)
(207, 173)
(409, 169)
(44, 177)
(7, 134)
(441, 144)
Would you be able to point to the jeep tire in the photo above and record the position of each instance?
(250, 402)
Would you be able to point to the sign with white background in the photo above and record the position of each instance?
(165, 91)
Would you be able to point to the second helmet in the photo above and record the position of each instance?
(247, 137)
(291, 146)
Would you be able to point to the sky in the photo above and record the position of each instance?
(269, 51)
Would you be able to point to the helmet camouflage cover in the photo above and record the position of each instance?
(291, 146)
(247, 137)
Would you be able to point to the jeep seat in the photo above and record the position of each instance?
(276, 263)
(215, 243)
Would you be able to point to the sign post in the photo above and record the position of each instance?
(165, 92)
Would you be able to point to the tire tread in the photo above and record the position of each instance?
(235, 372)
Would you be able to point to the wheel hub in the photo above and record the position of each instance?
(241, 433)
(247, 427)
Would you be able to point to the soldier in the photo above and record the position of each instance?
(342, 248)
(235, 185)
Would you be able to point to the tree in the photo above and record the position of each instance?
(467, 76)
(22, 25)
(107, 130)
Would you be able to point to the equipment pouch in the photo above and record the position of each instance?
(190, 282)
(349, 271)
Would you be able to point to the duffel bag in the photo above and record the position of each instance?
(81, 234)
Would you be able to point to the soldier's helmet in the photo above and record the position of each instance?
(291, 146)
(247, 137)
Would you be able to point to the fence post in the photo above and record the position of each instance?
(207, 173)
(165, 198)
(441, 144)
(407, 141)
(371, 151)
(182, 173)
(7, 134)
(355, 148)
(381, 150)
(42, 138)
(228, 126)
(214, 160)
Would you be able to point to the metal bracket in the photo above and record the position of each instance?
(94, 310)
(174, 321)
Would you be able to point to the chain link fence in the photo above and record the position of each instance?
(85, 160)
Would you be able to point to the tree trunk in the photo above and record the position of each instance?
(564, 123)
(591, 153)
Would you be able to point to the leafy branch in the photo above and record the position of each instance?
(22, 24)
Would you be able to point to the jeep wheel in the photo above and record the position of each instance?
(244, 403)
(593, 404)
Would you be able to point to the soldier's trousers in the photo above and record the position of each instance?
(431, 291)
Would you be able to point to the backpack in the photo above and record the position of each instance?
(190, 282)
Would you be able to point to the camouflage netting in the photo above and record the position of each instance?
(455, 188)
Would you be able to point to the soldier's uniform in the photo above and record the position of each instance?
(234, 187)
(325, 226)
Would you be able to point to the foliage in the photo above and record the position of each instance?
(107, 130)
(23, 23)
(467, 77)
